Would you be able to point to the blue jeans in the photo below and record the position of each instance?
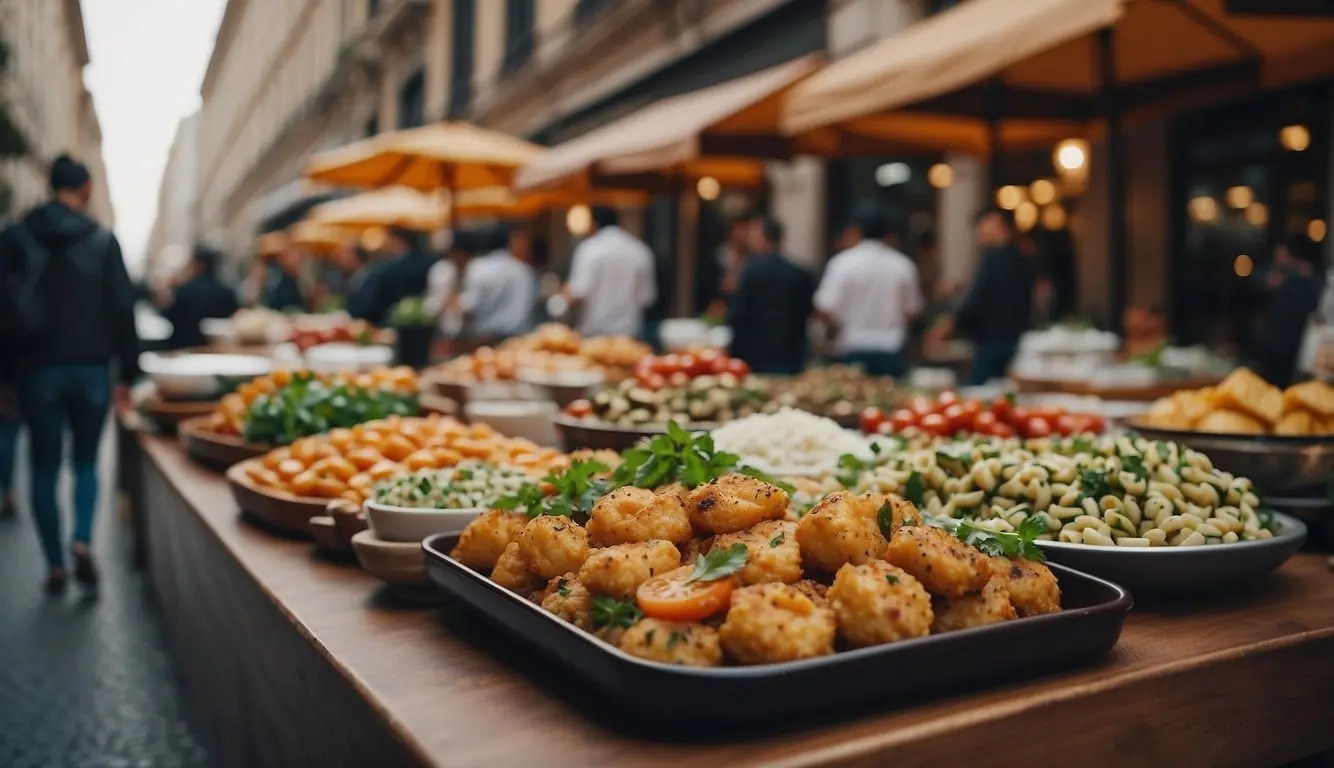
(54, 398)
(876, 363)
(991, 359)
(10, 426)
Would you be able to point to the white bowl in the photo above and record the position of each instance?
(195, 376)
(218, 330)
(409, 524)
(339, 357)
(531, 419)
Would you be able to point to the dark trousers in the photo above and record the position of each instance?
(876, 363)
(53, 399)
(991, 359)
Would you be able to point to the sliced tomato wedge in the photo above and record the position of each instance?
(669, 597)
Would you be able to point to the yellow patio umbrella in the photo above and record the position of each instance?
(501, 203)
(271, 244)
(449, 155)
(318, 238)
(388, 207)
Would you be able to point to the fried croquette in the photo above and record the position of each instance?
(619, 570)
(484, 540)
(1032, 586)
(770, 623)
(841, 529)
(632, 514)
(673, 642)
(945, 565)
(814, 590)
(552, 545)
(877, 603)
(734, 503)
(565, 597)
(772, 553)
(990, 606)
(511, 572)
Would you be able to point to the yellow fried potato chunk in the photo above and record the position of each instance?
(877, 603)
(1032, 586)
(814, 590)
(990, 606)
(771, 623)
(565, 597)
(618, 571)
(484, 540)
(945, 566)
(632, 514)
(843, 528)
(772, 553)
(553, 545)
(511, 572)
(734, 503)
(673, 642)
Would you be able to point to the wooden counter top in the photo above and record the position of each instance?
(1243, 679)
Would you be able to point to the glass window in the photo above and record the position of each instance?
(462, 39)
(412, 101)
(519, 21)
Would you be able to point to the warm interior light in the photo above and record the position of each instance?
(1042, 191)
(708, 188)
(1295, 138)
(1257, 214)
(1203, 209)
(1025, 216)
(1053, 217)
(1315, 230)
(1239, 197)
(373, 239)
(1243, 266)
(579, 220)
(1009, 197)
(1071, 154)
(940, 175)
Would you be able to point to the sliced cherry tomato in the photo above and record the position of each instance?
(902, 419)
(956, 418)
(935, 424)
(669, 597)
(871, 419)
(947, 398)
(579, 409)
(921, 405)
(1037, 427)
(738, 368)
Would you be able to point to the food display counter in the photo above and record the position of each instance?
(292, 659)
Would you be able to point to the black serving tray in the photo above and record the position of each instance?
(637, 688)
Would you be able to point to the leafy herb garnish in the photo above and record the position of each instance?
(915, 489)
(775, 541)
(561, 589)
(891, 578)
(577, 489)
(1095, 483)
(674, 638)
(679, 456)
(1134, 464)
(610, 612)
(718, 563)
(885, 517)
(1022, 543)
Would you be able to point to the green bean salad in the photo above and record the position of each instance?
(470, 485)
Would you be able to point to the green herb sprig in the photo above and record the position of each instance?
(307, 406)
(719, 563)
(679, 456)
(610, 612)
(577, 489)
(1022, 543)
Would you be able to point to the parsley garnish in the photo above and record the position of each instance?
(1095, 483)
(679, 456)
(891, 578)
(1134, 464)
(1020, 544)
(775, 541)
(674, 638)
(718, 563)
(577, 489)
(561, 589)
(648, 636)
(610, 612)
(885, 517)
(915, 489)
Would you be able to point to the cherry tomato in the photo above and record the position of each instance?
(686, 364)
(719, 364)
(666, 365)
(1018, 417)
(1050, 413)
(1094, 423)
(1001, 429)
(1037, 427)
(1002, 406)
(921, 406)
(643, 368)
(705, 361)
(871, 419)
(655, 382)
(947, 398)
(579, 409)
(1068, 424)
(902, 419)
(984, 422)
(956, 418)
(669, 597)
(738, 368)
(935, 424)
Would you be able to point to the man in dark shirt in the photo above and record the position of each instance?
(282, 290)
(1294, 297)
(400, 274)
(770, 306)
(999, 305)
(200, 297)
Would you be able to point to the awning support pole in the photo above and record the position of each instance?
(1117, 268)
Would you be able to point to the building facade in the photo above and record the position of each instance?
(173, 233)
(45, 95)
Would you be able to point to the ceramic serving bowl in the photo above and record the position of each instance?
(530, 419)
(412, 525)
(339, 357)
(200, 376)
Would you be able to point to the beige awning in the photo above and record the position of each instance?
(723, 129)
(1035, 63)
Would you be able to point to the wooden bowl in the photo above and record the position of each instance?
(596, 435)
(169, 414)
(395, 563)
(333, 531)
(279, 510)
(213, 450)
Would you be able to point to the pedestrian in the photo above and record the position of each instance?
(998, 307)
(769, 309)
(282, 286)
(200, 297)
(1294, 296)
(718, 277)
(64, 380)
(611, 279)
(442, 282)
(870, 294)
(400, 274)
(500, 287)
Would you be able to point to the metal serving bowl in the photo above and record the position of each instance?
(1280, 465)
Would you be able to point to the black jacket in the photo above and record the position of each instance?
(768, 313)
(999, 304)
(386, 283)
(202, 296)
(89, 293)
(282, 291)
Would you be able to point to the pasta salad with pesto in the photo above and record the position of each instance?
(470, 485)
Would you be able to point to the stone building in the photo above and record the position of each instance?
(173, 232)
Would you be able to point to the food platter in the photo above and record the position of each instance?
(1183, 570)
(215, 450)
(169, 414)
(1281, 465)
(595, 435)
(281, 511)
(1089, 626)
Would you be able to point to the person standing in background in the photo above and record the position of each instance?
(282, 285)
(717, 278)
(1294, 296)
(500, 288)
(998, 308)
(770, 306)
(442, 282)
(11, 424)
(200, 297)
(64, 378)
(611, 279)
(870, 294)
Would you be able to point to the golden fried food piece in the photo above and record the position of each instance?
(877, 603)
(945, 566)
(553, 545)
(691, 550)
(769, 623)
(637, 514)
(1230, 422)
(843, 528)
(734, 503)
(619, 570)
(1314, 396)
(484, 540)
(814, 590)
(1032, 586)
(512, 573)
(772, 552)
(990, 606)
(1245, 391)
(673, 642)
(1296, 422)
(568, 599)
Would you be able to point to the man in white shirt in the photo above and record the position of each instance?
(500, 288)
(870, 294)
(442, 282)
(611, 278)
